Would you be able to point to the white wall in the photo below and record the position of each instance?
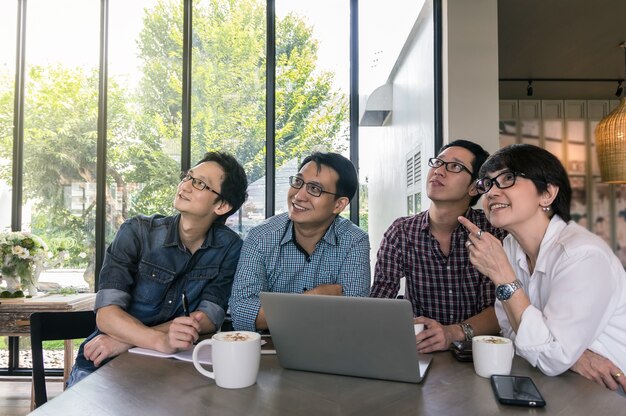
(470, 66)
(384, 149)
(470, 104)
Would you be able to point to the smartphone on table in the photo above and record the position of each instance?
(462, 350)
(517, 390)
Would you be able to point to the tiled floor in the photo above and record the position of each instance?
(15, 395)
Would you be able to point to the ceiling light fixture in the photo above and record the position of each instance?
(611, 140)
(529, 88)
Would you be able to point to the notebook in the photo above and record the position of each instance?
(362, 337)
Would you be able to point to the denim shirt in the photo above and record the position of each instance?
(146, 269)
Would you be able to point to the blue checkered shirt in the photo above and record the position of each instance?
(271, 262)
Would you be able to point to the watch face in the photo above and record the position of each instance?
(504, 292)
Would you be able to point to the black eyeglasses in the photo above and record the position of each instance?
(197, 183)
(507, 179)
(311, 188)
(454, 167)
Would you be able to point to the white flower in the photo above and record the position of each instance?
(23, 255)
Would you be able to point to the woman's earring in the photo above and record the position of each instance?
(546, 209)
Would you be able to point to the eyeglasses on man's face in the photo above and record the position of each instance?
(311, 188)
(197, 183)
(454, 167)
(502, 181)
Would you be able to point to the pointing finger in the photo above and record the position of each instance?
(469, 226)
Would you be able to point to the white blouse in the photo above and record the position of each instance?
(578, 300)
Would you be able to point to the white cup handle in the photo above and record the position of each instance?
(196, 363)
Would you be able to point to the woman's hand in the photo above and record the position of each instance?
(487, 254)
(600, 369)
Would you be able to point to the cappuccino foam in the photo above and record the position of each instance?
(492, 340)
(234, 337)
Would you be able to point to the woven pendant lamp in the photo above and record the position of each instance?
(611, 141)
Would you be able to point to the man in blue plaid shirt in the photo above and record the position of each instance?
(449, 296)
(310, 249)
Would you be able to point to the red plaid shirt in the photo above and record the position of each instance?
(446, 289)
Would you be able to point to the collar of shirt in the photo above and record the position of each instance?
(470, 214)
(173, 237)
(555, 227)
(329, 237)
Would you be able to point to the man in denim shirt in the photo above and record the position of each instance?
(154, 260)
(310, 249)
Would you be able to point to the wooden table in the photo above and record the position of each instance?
(15, 321)
(133, 384)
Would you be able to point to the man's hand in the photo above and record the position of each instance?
(102, 347)
(599, 369)
(183, 332)
(335, 289)
(435, 337)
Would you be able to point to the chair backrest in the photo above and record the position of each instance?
(53, 326)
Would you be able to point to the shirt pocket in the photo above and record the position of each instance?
(152, 284)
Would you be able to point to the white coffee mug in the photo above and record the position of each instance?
(492, 355)
(235, 356)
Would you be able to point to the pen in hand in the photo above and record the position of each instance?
(185, 304)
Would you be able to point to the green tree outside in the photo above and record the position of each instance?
(144, 125)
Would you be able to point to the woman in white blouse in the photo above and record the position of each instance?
(561, 291)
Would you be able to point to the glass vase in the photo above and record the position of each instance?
(13, 282)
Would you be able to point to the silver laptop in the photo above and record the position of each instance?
(362, 337)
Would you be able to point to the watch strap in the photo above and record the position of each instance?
(467, 330)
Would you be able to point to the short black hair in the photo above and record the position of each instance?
(540, 166)
(480, 155)
(348, 180)
(235, 183)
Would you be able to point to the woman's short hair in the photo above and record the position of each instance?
(540, 166)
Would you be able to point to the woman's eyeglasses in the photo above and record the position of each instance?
(502, 181)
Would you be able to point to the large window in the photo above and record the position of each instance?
(59, 135)
(180, 78)
(312, 84)
(228, 93)
(8, 13)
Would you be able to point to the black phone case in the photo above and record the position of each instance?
(538, 401)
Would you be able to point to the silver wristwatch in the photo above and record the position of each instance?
(467, 330)
(504, 292)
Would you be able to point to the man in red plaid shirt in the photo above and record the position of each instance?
(449, 296)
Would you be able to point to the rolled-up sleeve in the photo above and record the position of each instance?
(120, 265)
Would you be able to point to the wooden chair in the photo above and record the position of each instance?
(53, 326)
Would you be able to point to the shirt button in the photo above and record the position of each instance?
(448, 268)
(169, 301)
(451, 316)
(449, 291)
